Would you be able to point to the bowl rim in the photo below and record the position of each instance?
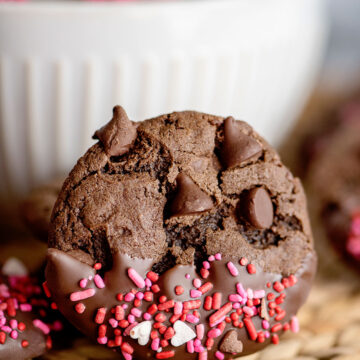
(96, 5)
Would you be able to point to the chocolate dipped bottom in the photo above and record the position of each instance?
(178, 237)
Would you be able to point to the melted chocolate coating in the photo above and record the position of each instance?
(63, 273)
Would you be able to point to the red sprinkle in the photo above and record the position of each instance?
(165, 354)
(119, 313)
(275, 339)
(24, 343)
(216, 300)
(251, 269)
(278, 286)
(2, 337)
(220, 313)
(100, 316)
(206, 287)
(204, 273)
(126, 347)
(243, 261)
(148, 296)
(119, 297)
(276, 327)
(154, 277)
(166, 305)
(97, 266)
(21, 326)
(208, 303)
(46, 289)
(152, 309)
(250, 327)
(79, 308)
(179, 290)
(169, 333)
(155, 288)
(192, 304)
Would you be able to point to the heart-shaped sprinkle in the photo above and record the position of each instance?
(141, 332)
(183, 334)
(230, 343)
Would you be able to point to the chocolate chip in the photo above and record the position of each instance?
(237, 147)
(189, 198)
(256, 207)
(118, 135)
(230, 343)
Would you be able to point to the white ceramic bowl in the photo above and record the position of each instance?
(63, 65)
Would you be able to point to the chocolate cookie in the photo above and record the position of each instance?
(181, 236)
(24, 330)
(333, 179)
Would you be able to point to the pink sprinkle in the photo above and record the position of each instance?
(197, 342)
(206, 265)
(190, 346)
(213, 333)
(259, 294)
(25, 307)
(267, 334)
(219, 355)
(265, 324)
(147, 316)
(217, 322)
(99, 282)
(178, 308)
(200, 331)
(82, 295)
(136, 312)
(240, 290)
(136, 278)
(187, 276)
(211, 258)
(294, 324)
(90, 277)
(42, 326)
(14, 334)
(250, 294)
(131, 319)
(155, 344)
(102, 340)
(7, 329)
(13, 323)
(203, 355)
(148, 282)
(113, 323)
(236, 305)
(83, 283)
(248, 311)
(129, 297)
(126, 355)
(235, 298)
(192, 318)
(218, 256)
(199, 349)
(124, 306)
(139, 295)
(2, 321)
(233, 270)
(195, 293)
(197, 283)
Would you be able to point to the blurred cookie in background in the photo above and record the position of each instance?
(329, 161)
(36, 208)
